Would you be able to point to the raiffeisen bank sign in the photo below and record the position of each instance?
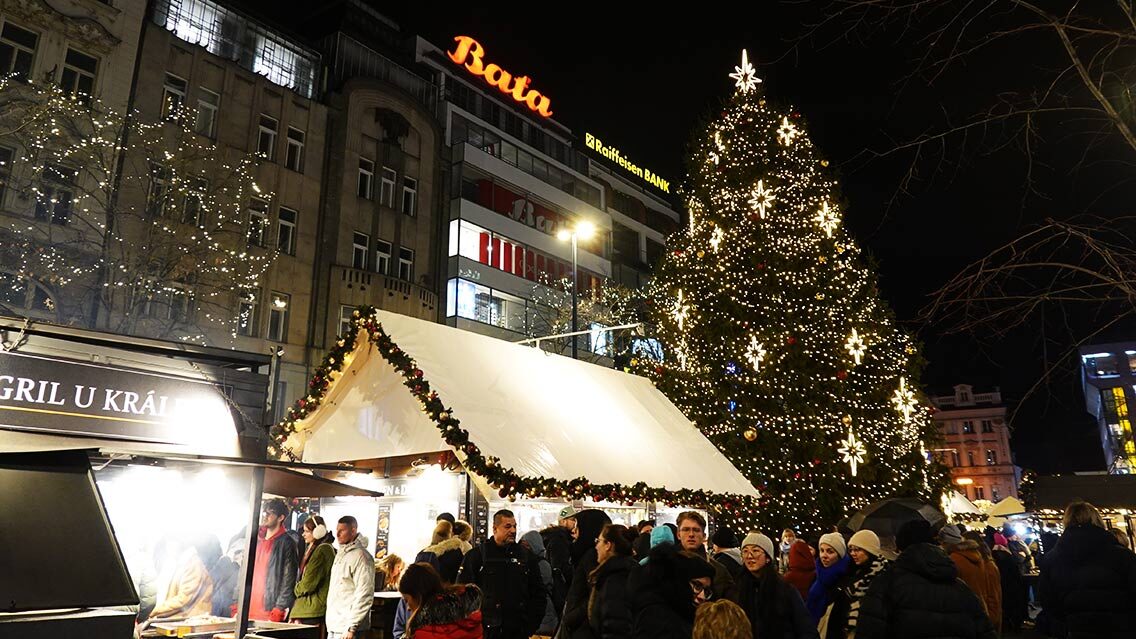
(470, 54)
(613, 154)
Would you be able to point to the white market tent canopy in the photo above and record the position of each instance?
(1007, 507)
(961, 505)
(541, 415)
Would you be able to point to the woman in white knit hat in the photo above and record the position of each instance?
(833, 563)
(774, 608)
(867, 562)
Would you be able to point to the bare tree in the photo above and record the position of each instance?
(611, 305)
(1072, 72)
(124, 225)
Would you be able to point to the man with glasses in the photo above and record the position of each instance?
(274, 570)
(692, 537)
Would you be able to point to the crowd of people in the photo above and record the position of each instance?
(589, 578)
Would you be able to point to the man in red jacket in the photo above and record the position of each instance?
(274, 570)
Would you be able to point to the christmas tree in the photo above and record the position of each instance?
(777, 344)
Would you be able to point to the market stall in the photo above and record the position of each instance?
(135, 462)
(1113, 495)
(527, 427)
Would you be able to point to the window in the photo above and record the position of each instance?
(409, 195)
(346, 316)
(207, 104)
(157, 195)
(266, 140)
(994, 493)
(55, 194)
(78, 79)
(366, 179)
(991, 457)
(17, 49)
(956, 461)
(949, 428)
(246, 314)
(964, 397)
(987, 426)
(979, 492)
(192, 212)
(294, 158)
(383, 257)
(405, 264)
(968, 427)
(258, 220)
(386, 195)
(173, 97)
(278, 317)
(359, 244)
(970, 458)
(286, 236)
(167, 302)
(6, 155)
(1101, 365)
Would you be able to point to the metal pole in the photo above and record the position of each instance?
(574, 287)
(256, 488)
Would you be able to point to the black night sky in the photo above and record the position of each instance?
(641, 79)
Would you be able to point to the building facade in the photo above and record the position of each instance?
(1108, 380)
(976, 443)
(518, 179)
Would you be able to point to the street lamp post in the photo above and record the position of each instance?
(583, 230)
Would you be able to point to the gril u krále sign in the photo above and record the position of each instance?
(471, 54)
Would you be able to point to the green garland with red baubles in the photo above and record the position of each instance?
(510, 485)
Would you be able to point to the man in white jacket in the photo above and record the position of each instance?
(352, 589)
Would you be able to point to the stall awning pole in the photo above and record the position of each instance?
(256, 488)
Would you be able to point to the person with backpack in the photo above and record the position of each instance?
(513, 595)
(533, 542)
(584, 560)
(725, 549)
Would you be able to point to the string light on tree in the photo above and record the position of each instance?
(755, 353)
(828, 218)
(681, 310)
(787, 132)
(852, 451)
(716, 238)
(856, 347)
(761, 198)
(904, 400)
(781, 298)
(745, 76)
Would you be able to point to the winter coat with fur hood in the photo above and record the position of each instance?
(445, 556)
(982, 576)
(453, 614)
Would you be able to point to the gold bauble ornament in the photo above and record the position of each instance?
(701, 253)
(822, 259)
(846, 420)
(750, 434)
(824, 162)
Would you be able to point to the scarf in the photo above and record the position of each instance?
(860, 587)
(820, 593)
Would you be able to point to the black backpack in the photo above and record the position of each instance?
(559, 558)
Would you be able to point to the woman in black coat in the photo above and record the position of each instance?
(775, 609)
(1088, 582)
(609, 607)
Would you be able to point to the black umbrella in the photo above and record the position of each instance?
(886, 516)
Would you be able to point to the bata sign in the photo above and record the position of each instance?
(471, 54)
(613, 154)
(49, 394)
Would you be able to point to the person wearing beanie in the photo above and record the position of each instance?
(657, 537)
(975, 570)
(867, 564)
(666, 591)
(725, 549)
(801, 571)
(1015, 594)
(919, 595)
(589, 523)
(832, 564)
(774, 608)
